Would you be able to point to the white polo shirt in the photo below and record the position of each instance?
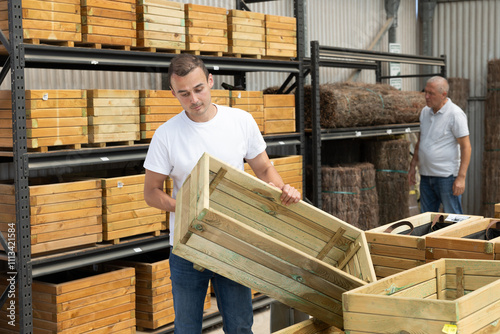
(439, 151)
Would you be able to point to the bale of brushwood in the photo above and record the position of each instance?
(459, 91)
(345, 105)
(491, 154)
(391, 159)
(368, 208)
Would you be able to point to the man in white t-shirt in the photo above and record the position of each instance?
(228, 134)
(442, 152)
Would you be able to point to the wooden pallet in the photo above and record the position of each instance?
(445, 296)
(281, 36)
(124, 211)
(394, 251)
(206, 29)
(82, 300)
(251, 101)
(233, 223)
(279, 113)
(246, 34)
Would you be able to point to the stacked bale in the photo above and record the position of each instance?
(491, 155)
(459, 91)
(345, 105)
(368, 207)
(391, 159)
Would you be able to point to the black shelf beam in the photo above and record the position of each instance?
(369, 131)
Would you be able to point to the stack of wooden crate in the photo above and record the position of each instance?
(246, 33)
(154, 301)
(161, 25)
(251, 101)
(85, 300)
(54, 21)
(124, 211)
(113, 116)
(206, 29)
(109, 23)
(62, 215)
(53, 118)
(281, 36)
(156, 107)
(279, 113)
(220, 97)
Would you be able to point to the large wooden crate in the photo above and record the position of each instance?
(125, 213)
(62, 215)
(109, 23)
(54, 118)
(279, 113)
(445, 296)
(310, 326)
(114, 116)
(281, 36)
(206, 29)
(467, 241)
(85, 300)
(48, 21)
(395, 251)
(289, 168)
(246, 32)
(154, 301)
(220, 97)
(161, 25)
(156, 107)
(234, 224)
(251, 101)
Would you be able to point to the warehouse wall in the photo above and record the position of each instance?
(468, 33)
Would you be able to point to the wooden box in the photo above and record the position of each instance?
(251, 101)
(63, 215)
(279, 113)
(289, 168)
(281, 36)
(109, 23)
(47, 21)
(156, 107)
(310, 326)
(394, 252)
(54, 118)
(444, 296)
(79, 300)
(154, 301)
(161, 25)
(234, 224)
(124, 210)
(206, 29)
(467, 241)
(114, 116)
(220, 97)
(247, 34)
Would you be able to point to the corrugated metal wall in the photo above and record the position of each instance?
(468, 33)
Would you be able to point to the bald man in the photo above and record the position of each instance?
(442, 152)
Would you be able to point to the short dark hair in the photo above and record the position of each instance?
(183, 64)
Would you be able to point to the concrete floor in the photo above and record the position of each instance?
(261, 323)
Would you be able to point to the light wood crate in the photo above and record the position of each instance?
(62, 215)
(46, 21)
(206, 29)
(125, 213)
(310, 326)
(113, 116)
(246, 33)
(78, 301)
(458, 242)
(395, 252)
(161, 25)
(109, 23)
(234, 224)
(54, 118)
(279, 113)
(154, 301)
(250, 101)
(289, 168)
(444, 296)
(220, 97)
(156, 107)
(281, 36)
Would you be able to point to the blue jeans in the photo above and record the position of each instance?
(189, 289)
(436, 190)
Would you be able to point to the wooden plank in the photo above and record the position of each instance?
(109, 4)
(279, 100)
(149, 13)
(56, 103)
(162, 3)
(106, 120)
(114, 102)
(56, 113)
(55, 122)
(60, 216)
(43, 15)
(53, 6)
(205, 9)
(246, 14)
(110, 13)
(160, 27)
(62, 131)
(205, 24)
(66, 187)
(282, 19)
(66, 206)
(279, 126)
(112, 111)
(108, 31)
(43, 94)
(108, 22)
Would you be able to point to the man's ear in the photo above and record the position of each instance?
(173, 92)
(210, 80)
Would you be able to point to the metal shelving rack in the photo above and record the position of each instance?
(326, 56)
(21, 56)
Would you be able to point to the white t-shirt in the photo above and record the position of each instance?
(177, 145)
(439, 151)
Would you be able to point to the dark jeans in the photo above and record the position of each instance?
(436, 190)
